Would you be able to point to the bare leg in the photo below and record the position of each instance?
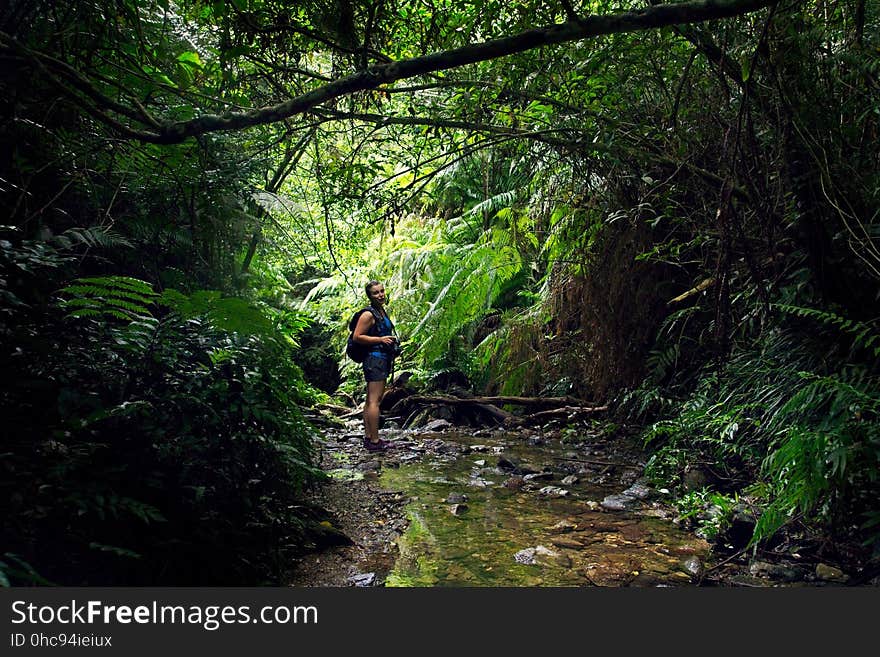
(375, 390)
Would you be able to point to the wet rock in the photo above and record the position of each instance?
(480, 462)
(637, 491)
(437, 425)
(538, 476)
(456, 498)
(774, 571)
(506, 464)
(553, 491)
(458, 509)
(542, 555)
(830, 573)
(696, 478)
(693, 566)
(617, 502)
(760, 568)
(363, 579)
(526, 556)
(563, 526)
(628, 499)
(570, 480)
(479, 448)
(370, 466)
(546, 556)
(535, 441)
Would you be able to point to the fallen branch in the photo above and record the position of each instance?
(567, 402)
(531, 401)
(479, 403)
(334, 409)
(568, 410)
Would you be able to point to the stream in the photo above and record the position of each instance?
(501, 509)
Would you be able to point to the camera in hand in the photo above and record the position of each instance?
(394, 348)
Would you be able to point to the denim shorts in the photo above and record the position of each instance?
(376, 368)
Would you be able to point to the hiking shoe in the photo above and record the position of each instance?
(380, 446)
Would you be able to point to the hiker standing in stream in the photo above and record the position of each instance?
(376, 330)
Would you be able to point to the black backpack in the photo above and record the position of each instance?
(355, 350)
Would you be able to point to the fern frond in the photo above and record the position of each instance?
(95, 237)
(864, 335)
(120, 282)
(225, 313)
(120, 297)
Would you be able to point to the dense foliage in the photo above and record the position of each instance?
(680, 219)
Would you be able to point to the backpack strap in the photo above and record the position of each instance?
(369, 309)
(354, 318)
(375, 313)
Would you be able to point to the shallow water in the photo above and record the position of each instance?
(474, 522)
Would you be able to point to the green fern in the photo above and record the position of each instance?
(810, 437)
(129, 300)
(93, 237)
(661, 361)
(827, 441)
(120, 297)
(230, 314)
(468, 293)
(864, 335)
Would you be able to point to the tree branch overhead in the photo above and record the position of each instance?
(575, 29)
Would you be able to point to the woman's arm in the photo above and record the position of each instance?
(361, 331)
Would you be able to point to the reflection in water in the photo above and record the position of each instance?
(474, 522)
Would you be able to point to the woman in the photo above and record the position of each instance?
(375, 330)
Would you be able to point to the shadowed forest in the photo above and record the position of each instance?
(660, 222)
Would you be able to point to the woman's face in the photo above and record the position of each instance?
(377, 294)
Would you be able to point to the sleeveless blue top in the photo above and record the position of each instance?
(380, 329)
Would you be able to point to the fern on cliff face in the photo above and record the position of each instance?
(786, 414)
